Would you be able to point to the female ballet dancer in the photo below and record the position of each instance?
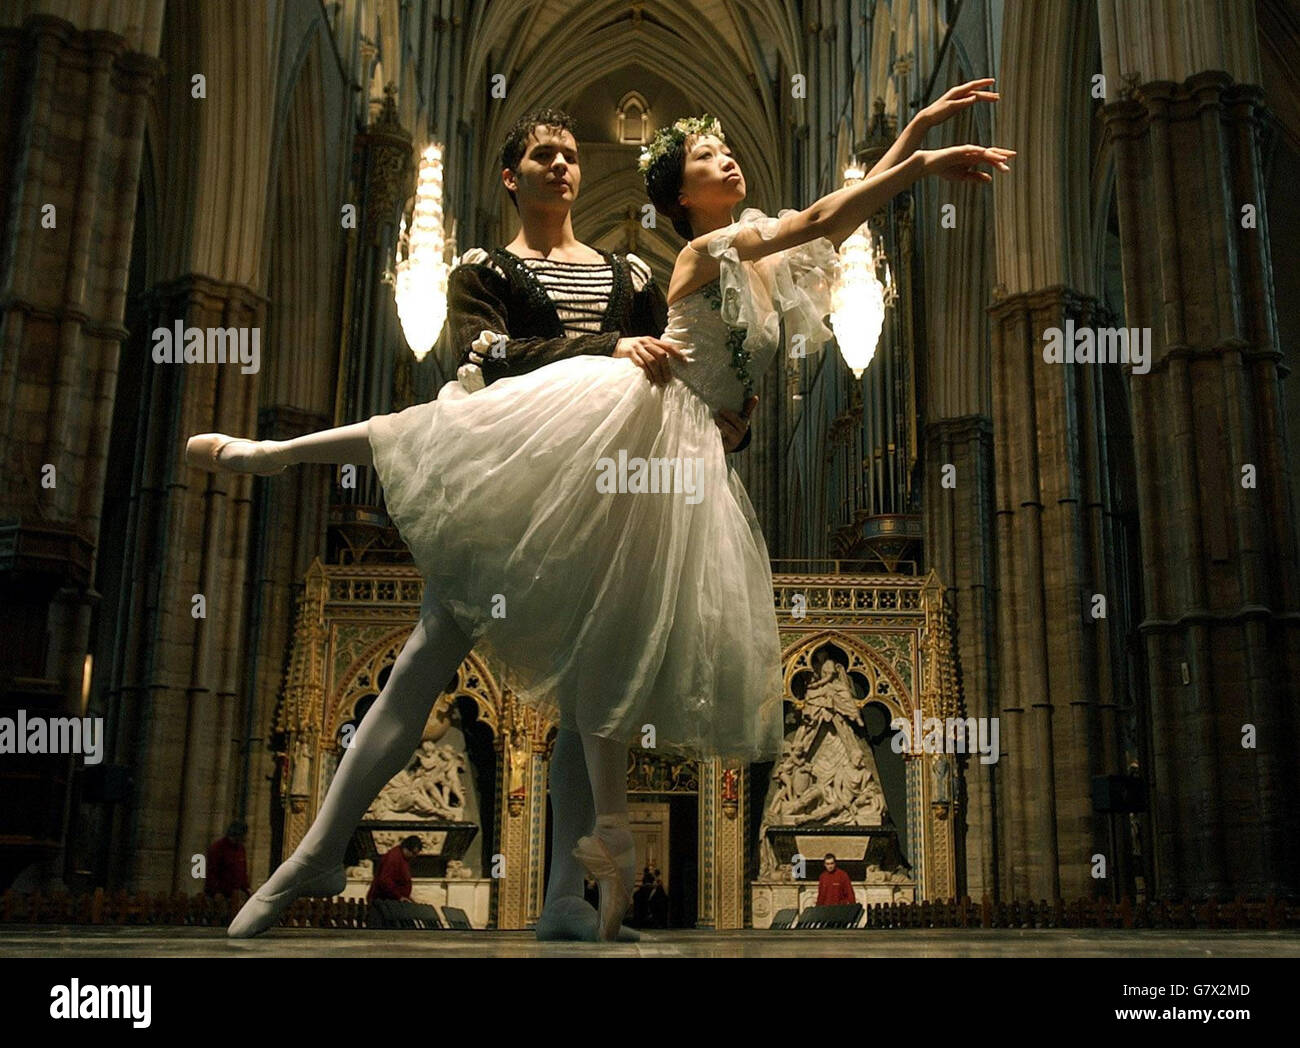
(581, 525)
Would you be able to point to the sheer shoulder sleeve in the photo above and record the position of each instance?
(794, 284)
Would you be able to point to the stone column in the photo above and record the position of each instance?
(521, 810)
(707, 888)
(1051, 731)
(288, 530)
(181, 677)
(73, 132)
(959, 545)
(1053, 465)
(1222, 588)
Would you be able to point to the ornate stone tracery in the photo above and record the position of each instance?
(892, 640)
(859, 640)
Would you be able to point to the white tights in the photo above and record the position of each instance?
(588, 773)
(343, 445)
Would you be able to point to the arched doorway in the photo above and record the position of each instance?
(663, 811)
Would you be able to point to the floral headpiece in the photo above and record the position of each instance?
(666, 137)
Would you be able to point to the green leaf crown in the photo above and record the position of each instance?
(667, 137)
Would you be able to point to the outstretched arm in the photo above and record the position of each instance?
(845, 209)
(839, 213)
(946, 106)
(834, 216)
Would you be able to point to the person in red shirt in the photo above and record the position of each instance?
(393, 877)
(834, 886)
(227, 865)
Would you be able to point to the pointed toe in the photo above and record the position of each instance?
(262, 911)
(613, 875)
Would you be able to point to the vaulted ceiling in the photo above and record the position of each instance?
(684, 57)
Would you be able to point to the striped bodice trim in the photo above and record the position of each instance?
(580, 291)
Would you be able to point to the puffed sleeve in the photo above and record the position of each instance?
(794, 285)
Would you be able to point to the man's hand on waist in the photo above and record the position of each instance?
(651, 354)
(734, 427)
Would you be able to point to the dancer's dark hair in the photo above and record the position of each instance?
(413, 843)
(663, 182)
(516, 143)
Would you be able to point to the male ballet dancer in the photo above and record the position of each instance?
(543, 298)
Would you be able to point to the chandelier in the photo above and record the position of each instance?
(859, 298)
(421, 277)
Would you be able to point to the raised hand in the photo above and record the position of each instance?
(955, 99)
(959, 163)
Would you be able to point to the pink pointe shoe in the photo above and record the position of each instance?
(204, 452)
(261, 911)
(613, 873)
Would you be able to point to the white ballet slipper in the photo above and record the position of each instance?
(613, 874)
(573, 919)
(204, 452)
(261, 911)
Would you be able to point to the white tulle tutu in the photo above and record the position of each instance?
(627, 611)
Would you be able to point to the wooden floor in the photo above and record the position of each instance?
(66, 941)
